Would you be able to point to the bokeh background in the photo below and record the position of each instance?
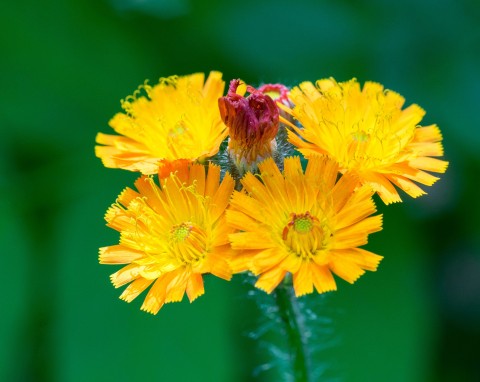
(64, 67)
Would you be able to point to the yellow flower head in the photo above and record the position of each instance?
(368, 134)
(307, 224)
(170, 235)
(179, 119)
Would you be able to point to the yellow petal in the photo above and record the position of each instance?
(406, 185)
(177, 286)
(429, 164)
(135, 288)
(156, 295)
(126, 274)
(366, 131)
(168, 232)
(118, 254)
(250, 240)
(177, 119)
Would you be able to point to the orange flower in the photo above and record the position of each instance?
(179, 120)
(368, 133)
(307, 224)
(170, 235)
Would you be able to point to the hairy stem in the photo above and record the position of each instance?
(293, 319)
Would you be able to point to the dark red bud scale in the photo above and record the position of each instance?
(251, 120)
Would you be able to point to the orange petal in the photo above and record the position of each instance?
(429, 133)
(179, 167)
(195, 286)
(266, 259)
(177, 286)
(382, 186)
(302, 280)
(358, 207)
(357, 234)
(197, 177)
(322, 278)
(247, 205)
(219, 266)
(363, 258)
(221, 197)
(213, 179)
(269, 280)
(429, 164)
(345, 269)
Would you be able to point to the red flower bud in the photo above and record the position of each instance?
(253, 124)
(250, 119)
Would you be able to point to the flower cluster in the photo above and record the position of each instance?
(201, 207)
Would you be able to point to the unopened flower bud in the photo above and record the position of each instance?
(253, 124)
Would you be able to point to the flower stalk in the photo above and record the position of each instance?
(292, 318)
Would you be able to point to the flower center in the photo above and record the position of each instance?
(360, 136)
(303, 224)
(361, 152)
(180, 232)
(177, 130)
(305, 235)
(188, 243)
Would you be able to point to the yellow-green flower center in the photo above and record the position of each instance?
(180, 232)
(303, 224)
(305, 235)
(360, 136)
(189, 242)
(178, 129)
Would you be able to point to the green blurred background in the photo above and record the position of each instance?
(64, 67)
